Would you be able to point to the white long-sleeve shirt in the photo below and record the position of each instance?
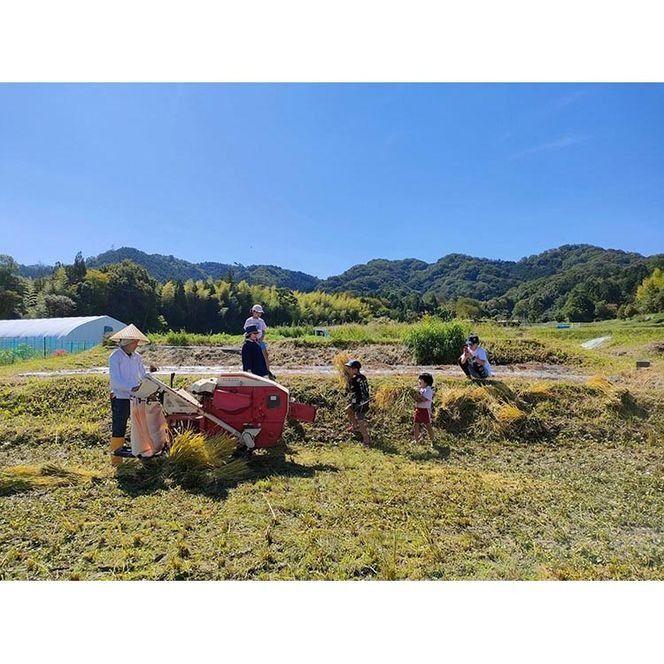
(260, 324)
(126, 371)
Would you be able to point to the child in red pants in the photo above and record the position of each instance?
(423, 397)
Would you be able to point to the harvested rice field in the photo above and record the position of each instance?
(525, 480)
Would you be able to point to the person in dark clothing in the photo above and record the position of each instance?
(358, 392)
(253, 359)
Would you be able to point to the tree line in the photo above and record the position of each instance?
(127, 291)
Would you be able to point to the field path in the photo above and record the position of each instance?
(521, 371)
(595, 343)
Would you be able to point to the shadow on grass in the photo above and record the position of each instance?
(276, 462)
(11, 486)
(422, 451)
(629, 408)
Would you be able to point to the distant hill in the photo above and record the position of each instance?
(164, 268)
(458, 275)
(538, 287)
(35, 271)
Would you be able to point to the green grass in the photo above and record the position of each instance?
(193, 339)
(570, 489)
(630, 341)
(95, 357)
(377, 332)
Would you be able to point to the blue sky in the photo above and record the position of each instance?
(320, 177)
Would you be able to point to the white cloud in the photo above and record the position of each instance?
(558, 144)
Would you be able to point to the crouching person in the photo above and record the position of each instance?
(126, 372)
(474, 360)
(358, 392)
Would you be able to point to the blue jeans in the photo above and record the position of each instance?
(120, 415)
(473, 370)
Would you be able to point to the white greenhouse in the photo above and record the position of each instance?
(48, 335)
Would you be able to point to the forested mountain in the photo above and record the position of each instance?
(376, 276)
(579, 282)
(458, 275)
(572, 282)
(165, 268)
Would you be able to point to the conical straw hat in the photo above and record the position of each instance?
(130, 333)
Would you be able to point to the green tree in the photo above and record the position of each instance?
(604, 311)
(11, 291)
(59, 306)
(76, 272)
(579, 307)
(30, 298)
(650, 294)
(132, 295)
(92, 293)
(468, 308)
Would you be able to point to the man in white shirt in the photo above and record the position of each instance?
(474, 360)
(126, 371)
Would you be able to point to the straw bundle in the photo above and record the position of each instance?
(600, 384)
(394, 398)
(339, 362)
(194, 461)
(508, 418)
(17, 479)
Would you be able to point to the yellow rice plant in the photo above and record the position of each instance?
(16, 479)
(499, 391)
(537, 392)
(339, 362)
(393, 398)
(200, 460)
(508, 417)
(600, 384)
(461, 397)
(462, 408)
(193, 461)
(189, 452)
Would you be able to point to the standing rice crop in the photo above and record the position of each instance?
(433, 341)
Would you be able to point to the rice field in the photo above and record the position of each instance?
(526, 480)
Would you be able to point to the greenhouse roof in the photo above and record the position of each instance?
(44, 327)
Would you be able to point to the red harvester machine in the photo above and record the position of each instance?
(251, 408)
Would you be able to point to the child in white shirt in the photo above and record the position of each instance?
(423, 398)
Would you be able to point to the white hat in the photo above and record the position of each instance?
(129, 333)
(258, 308)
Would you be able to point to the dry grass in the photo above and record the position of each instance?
(392, 397)
(600, 384)
(17, 479)
(339, 363)
(489, 501)
(508, 417)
